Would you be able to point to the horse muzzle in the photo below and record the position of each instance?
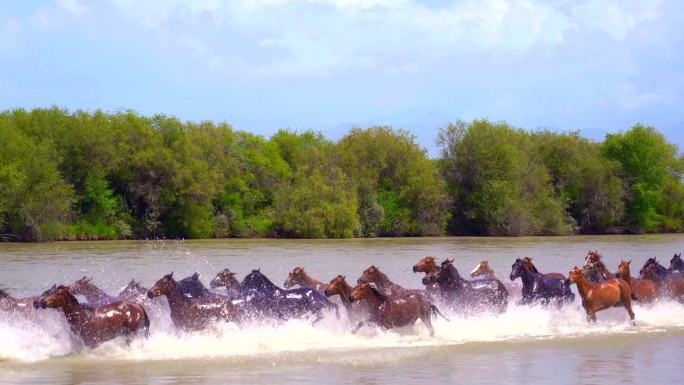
(426, 280)
(361, 280)
(150, 295)
(415, 269)
(39, 305)
(512, 277)
(352, 299)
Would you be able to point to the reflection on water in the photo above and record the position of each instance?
(522, 346)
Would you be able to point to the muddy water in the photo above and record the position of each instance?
(524, 345)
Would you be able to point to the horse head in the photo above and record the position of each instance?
(676, 263)
(59, 297)
(295, 277)
(337, 286)
(426, 265)
(371, 274)
(256, 280)
(518, 269)
(365, 291)
(225, 278)
(164, 285)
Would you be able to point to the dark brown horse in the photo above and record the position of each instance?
(668, 284)
(527, 261)
(226, 278)
(466, 296)
(299, 277)
(593, 258)
(603, 295)
(95, 325)
(93, 294)
(676, 264)
(392, 311)
(193, 313)
(643, 290)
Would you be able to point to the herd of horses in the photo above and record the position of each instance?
(375, 299)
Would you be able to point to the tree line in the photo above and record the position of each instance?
(79, 175)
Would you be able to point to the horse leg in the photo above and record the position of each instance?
(627, 303)
(428, 322)
(358, 326)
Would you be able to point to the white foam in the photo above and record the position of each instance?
(47, 336)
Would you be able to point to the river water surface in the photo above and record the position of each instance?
(524, 345)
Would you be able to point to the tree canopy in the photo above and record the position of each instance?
(79, 175)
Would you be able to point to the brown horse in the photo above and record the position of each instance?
(339, 286)
(299, 277)
(428, 265)
(95, 325)
(643, 290)
(193, 313)
(226, 278)
(93, 294)
(668, 284)
(527, 262)
(387, 287)
(134, 291)
(21, 305)
(486, 272)
(390, 311)
(601, 296)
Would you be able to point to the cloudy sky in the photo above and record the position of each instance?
(597, 66)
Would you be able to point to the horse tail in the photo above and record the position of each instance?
(436, 311)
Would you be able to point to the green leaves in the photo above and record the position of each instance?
(80, 175)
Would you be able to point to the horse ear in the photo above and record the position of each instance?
(196, 275)
(630, 261)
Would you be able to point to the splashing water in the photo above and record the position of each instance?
(45, 334)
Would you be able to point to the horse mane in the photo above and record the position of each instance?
(377, 293)
(528, 262)
(264, 279)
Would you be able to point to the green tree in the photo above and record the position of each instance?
(651, 166)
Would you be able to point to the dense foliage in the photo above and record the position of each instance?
(81, 175)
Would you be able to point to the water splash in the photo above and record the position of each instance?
(45, 335)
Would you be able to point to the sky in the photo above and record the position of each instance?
(597, 66)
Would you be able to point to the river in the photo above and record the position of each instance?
(524, 345)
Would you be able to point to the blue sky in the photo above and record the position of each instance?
(596, 66)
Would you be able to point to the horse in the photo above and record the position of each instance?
(339, 286)
(538, 288)
(603, 295)
(428, 265)
(292, 303)
(134, 291)
(299, 277)
(191, 286)
(531, 267)
(592, 273)
(391, 312)
(470, 296)
(676, 264)
(383, 283)
(594, 258)
(643, 290)
(21, 305)
(193, 313)
(226, 278)
(95, 325)
(485, 271)
(668, 284)
(93, 294)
